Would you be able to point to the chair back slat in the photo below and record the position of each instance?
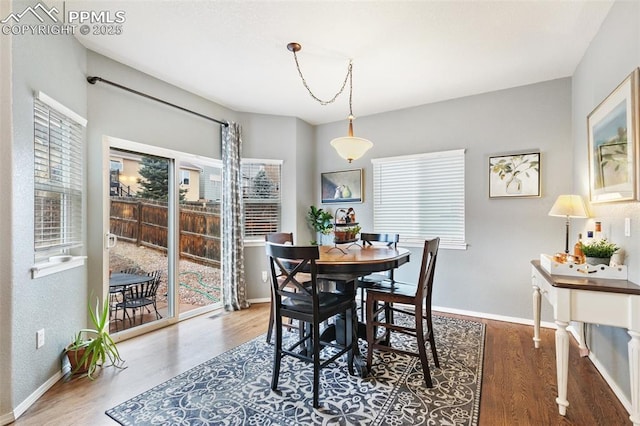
(292, 267)
(279, 237)
(368, 238)
(427, 269)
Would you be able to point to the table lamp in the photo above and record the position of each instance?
(568, 206)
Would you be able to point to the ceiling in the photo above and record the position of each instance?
(405, 53)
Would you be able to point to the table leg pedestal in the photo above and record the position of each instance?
(562, 365)
(634, 372)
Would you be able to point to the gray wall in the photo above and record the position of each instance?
(57, 303)
(611, 57)
(492, 276)
(6, 183)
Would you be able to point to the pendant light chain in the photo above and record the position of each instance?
(348, 78)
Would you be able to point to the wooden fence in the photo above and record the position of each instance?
(144, 222)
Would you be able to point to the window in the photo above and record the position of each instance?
(116, 165)
(261, 195)
(420, 197)
(58, 177)
(184, 177)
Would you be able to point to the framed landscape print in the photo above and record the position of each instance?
(342, 187)
(515, 175)
(613, 144)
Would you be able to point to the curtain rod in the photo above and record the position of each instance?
(93, 80)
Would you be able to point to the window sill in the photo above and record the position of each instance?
(56, 264)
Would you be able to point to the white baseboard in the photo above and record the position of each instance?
(494, 317)
(31, 399)
(260, 300)
(612, 384)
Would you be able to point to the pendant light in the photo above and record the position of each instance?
(348, 147)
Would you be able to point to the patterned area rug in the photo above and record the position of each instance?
(234, 388)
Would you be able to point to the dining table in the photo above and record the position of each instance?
(343, 266)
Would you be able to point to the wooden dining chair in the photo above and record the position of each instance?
(294, 267)
(373, 280)
(278, 238)
(384, 299)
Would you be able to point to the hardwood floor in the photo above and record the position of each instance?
(518, 385)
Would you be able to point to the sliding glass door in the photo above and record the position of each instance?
(164, 223)
(199, 286)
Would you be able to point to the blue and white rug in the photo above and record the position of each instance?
(235, 388)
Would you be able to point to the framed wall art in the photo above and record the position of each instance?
(342, 187)
(514, 175)
(613, 144)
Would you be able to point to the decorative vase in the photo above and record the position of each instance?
(325, 239)
(598, 260)
(514, 186)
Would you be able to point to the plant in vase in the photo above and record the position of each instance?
(320, 221)
(93, 347)
(352, 232)
(599, 251)
(509, 170)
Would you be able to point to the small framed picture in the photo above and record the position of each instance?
(514, 175)
(342, 187)
(613, 144)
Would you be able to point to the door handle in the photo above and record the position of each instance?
(110, 240)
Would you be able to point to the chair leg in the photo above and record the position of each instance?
(422, 350)
(371, 337)
(277, 353)
(362, 305)
(432, 341)
(352, 335)
(316, 364)
(271, 319)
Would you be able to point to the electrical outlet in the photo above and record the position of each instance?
(264, 276)
(40, 338)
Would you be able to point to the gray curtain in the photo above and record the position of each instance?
(234, 286)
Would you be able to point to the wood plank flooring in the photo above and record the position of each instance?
(518, 381)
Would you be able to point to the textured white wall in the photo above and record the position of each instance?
(58, 302)
(6, 183)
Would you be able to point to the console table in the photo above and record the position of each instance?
(588, 300)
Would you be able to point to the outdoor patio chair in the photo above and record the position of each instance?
(140, 296)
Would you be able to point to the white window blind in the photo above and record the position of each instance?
(421, 197)
(261, 182)
(58, 177)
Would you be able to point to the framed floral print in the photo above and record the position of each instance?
(613, 144)
(514, 175)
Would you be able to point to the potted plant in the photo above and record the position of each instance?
(320, 221)
(599, 251)
(93, 347)
(352, 232)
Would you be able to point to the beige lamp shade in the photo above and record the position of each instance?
(569, 206)
(350, 147)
